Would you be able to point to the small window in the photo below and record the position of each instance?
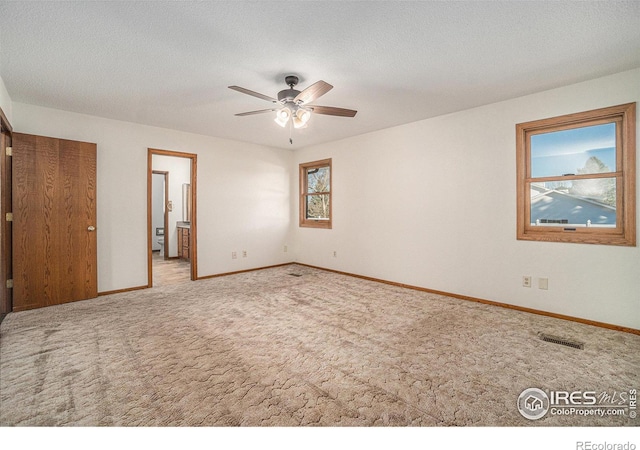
(315, 194)
(576, 177)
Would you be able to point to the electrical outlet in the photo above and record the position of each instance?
(244, 253)
(286, 249)
(335, 254)
(526, 281)
(543, 283)
(234, 255)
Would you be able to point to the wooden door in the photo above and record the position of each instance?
(54, 220)
(5, 207)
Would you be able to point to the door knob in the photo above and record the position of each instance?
(91, 228)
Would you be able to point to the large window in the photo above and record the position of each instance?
(576, 177)
(315, 194)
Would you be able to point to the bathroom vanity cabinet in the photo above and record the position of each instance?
(184, 238)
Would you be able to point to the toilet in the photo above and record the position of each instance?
(160, 241)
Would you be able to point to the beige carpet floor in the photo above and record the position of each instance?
(267, 348)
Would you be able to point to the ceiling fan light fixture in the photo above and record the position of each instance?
(301, 117)
(282, 116)
(297, 123)
(303, 114)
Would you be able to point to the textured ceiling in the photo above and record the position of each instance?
(168, 64)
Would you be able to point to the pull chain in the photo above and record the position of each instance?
(290, 131)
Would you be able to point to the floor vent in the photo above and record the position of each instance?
(562, 341)
(295, 274)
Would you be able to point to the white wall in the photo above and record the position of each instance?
(5, 102)
(242, 199)
(179, 173)
(433, 204)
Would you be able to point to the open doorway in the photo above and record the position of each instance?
(171, 217)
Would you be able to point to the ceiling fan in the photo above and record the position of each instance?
(294, 107)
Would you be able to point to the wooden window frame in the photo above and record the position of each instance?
(315, 223)
(624, 233)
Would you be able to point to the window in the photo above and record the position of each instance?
(576, 177)
(315, 194)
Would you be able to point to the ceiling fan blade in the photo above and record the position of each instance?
(332, 111)
(255, 94)
(250, 113)
(316, 90)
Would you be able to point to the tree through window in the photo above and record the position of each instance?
(315, 194)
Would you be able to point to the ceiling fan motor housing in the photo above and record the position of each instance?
(287, 95)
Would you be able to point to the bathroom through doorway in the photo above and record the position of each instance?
(171, 217)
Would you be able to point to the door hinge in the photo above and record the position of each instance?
(9, 151)
(9, 284)
(9, 217)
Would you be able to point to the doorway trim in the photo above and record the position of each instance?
(165, 216)
(6, 300)
(193, 245)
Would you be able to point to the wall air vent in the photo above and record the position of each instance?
(562, 341)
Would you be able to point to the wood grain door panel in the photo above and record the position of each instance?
(54, 205)
(5, 226)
